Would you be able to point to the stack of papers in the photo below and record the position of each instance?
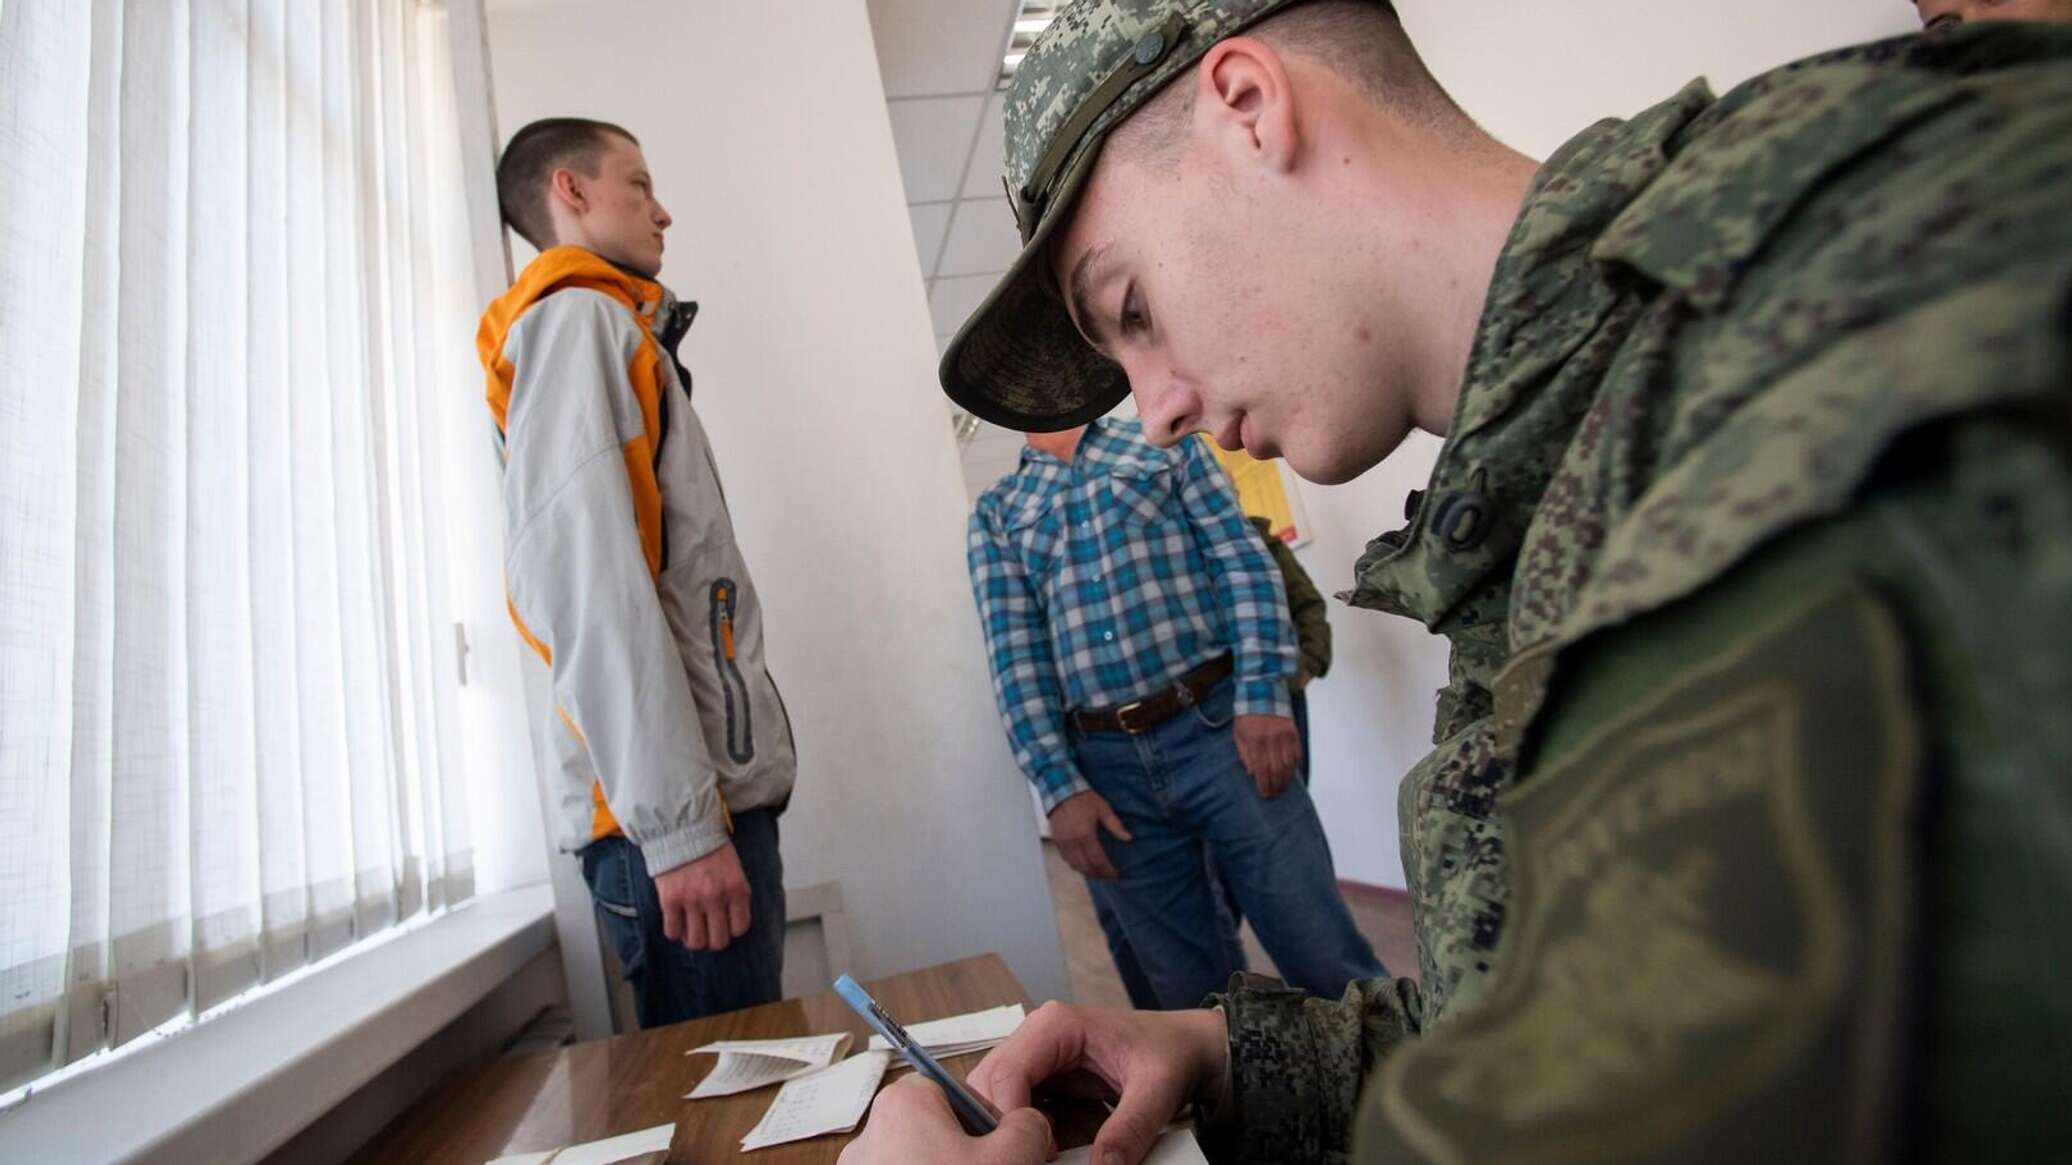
(646, 1147)
(748, 1064)
(832, 1100)
(962, 1034)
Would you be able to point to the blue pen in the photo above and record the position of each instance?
(977, 1117)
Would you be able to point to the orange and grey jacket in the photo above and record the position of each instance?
(622, 569)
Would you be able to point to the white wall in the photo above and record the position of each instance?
(1371, 718)
(766, 129)
(1534, 75)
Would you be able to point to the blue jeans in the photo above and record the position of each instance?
(1134, 982)
(670, 982)
(1197, 819)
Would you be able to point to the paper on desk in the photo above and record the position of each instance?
(631, 1147)
(1177, 1147)
(832, 1100)
(960, 1034)
(748, 1064)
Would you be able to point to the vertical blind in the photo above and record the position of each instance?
(227, 676)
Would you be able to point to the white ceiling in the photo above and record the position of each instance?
(940, 59)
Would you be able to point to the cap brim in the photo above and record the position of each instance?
(1018, 361)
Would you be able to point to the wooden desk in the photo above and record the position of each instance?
(603, 1088)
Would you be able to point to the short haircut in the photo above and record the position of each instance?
(1360, 40)
(529, 162)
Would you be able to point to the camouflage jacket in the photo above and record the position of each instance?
(1306, 607)
(1750, 539)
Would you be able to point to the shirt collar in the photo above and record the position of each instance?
(1096, 445)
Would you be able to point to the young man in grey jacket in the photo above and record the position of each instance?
(675, 751)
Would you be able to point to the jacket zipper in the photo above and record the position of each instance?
(734, 689)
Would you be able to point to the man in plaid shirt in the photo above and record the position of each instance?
(1141, 654)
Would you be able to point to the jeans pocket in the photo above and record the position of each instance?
(610, 876)
(615, 909)
(1214, 714)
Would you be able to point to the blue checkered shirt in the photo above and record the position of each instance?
(1104, 580)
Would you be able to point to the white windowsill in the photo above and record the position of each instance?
(240, 1084)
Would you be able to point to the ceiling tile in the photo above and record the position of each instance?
(933, 139)
(955, 299)
(982, 238)
(929, 47)
(929, 221)
(989, 160)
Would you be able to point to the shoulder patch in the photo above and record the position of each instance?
(1710, 927)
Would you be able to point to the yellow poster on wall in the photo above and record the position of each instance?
(1262, 492)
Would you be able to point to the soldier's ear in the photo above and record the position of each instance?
(1245, 102)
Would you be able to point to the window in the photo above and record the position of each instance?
(227, 676)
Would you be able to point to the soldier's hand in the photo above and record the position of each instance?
(1076, 824)
(705, 902)
(911, 1121)
(1270, 748)
(1150, 1063)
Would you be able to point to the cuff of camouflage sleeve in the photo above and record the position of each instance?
(1265, 698)
(1316, 663)
(1270, 1108)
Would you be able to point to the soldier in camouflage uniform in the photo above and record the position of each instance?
(1749, 823)
(1306, 608)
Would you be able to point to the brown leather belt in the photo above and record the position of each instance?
(1140, 716)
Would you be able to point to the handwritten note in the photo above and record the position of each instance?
(832, 1100)
(749, 1064)
(1176, 1147)
(961, 1034)
(645, 1145)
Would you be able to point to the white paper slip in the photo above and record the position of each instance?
(960, 1034)
(1177, 1147)
(641, 1146)
(832, 1100)
(749, 1064)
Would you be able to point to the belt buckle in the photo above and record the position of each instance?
(1122, 717)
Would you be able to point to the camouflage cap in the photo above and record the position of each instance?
(1018, 361)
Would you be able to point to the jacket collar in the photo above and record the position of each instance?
(552, 270)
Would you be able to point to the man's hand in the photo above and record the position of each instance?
(1150, 1062)
(911, 1121)
(705, 902)
(1270, 748)
(1076, 824)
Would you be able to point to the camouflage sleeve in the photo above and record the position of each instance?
(1296, 1066)
(1817, 805)
(1306, 606)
